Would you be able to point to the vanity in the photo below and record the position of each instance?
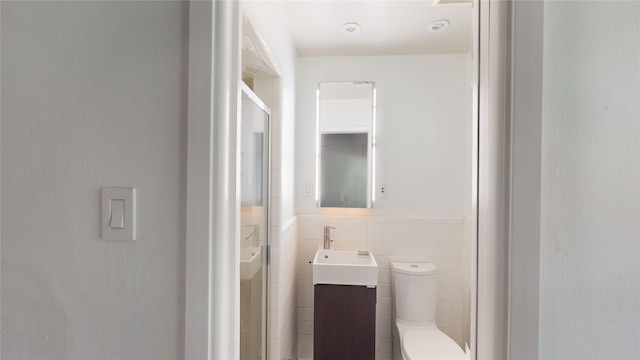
(344, 304)
(344, 282)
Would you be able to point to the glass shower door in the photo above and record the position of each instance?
(254, 220)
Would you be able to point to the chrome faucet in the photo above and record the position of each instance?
(327, 237)
(255, 233)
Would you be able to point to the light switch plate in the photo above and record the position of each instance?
(123, 226)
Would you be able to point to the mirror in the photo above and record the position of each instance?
(345, 138)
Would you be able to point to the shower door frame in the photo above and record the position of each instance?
(266, 248)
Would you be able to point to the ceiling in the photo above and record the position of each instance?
(388, 27)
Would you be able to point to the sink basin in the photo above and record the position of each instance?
(349, 267)
(250, 261)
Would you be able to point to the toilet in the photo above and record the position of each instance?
(415, 334)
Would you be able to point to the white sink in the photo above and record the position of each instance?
(349, 267)
(250, 261)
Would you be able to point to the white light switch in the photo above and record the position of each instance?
(118, 213)
(116, 220)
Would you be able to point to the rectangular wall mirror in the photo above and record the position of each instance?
(345, 144)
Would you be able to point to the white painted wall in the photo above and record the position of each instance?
(93, 94)
(422, 105)
(590, 202)
(423, 129)
(268, 18)
(269, 21)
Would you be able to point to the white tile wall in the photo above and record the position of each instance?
(436, 240)
(283, 333)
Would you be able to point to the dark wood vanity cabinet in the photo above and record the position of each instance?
(344, 322)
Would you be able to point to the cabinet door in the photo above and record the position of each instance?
(344, 322)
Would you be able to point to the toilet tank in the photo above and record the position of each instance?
(415, 287)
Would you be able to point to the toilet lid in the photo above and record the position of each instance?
(430, 344)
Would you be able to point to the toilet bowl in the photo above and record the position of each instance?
(415, 333)
(425, 343)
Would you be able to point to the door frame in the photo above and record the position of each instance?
(526, 177)
(212, 268)
(212, 284)
(493, 86)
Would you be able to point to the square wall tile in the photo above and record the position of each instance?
(391, 238)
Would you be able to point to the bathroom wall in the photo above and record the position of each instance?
(423, 102)
(268, 20)
(423, 127)
(93, 94)
(590, 195)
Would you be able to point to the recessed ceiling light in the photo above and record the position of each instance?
(350, 28)
(438, 26)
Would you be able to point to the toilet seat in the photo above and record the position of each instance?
(430, 344)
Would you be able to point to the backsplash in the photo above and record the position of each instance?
(441, 241)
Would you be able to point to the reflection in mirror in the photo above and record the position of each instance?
(345, 136)
(251, 172)
(344, 170)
